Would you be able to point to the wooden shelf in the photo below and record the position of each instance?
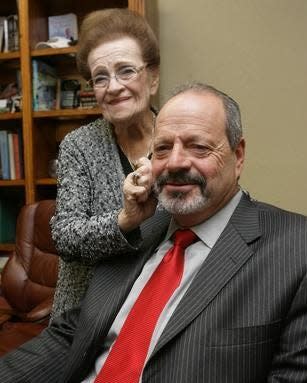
(9, 55)
(12, 183)
(54, 51)
(10, 116)
(67, 113)
(7, 247)
(46, 181)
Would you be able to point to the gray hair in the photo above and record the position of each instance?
(232, 110)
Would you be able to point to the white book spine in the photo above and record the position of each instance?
(6, 36)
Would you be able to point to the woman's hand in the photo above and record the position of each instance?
(139, 202)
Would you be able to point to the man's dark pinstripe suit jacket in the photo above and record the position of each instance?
(243, 319)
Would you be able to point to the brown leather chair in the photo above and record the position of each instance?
(29, 277)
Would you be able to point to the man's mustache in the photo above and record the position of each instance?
(180, 177)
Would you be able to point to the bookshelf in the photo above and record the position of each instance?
(42, 131)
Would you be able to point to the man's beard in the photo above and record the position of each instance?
(181, 202)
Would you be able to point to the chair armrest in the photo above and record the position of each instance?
(5, 307)
(40, 312)
(4, 318)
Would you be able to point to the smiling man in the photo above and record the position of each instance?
(196, 167)
(221, 294)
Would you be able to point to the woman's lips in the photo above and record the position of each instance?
(116, 101)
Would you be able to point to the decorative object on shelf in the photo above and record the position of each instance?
(52, 168)
(10, 99)
(63, 26)
(54, 42)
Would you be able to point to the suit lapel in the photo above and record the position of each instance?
(229, 254)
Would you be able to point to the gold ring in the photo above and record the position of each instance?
(135, 177)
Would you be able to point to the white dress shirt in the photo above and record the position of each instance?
(208, 232)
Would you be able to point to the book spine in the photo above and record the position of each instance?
(34, 84)
(1, 33)
(4, 154)
(11, 156)
(17, 156)
(5, 36)
(13, 33)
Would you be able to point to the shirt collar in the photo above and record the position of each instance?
(210, 230)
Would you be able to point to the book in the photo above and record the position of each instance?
(1, 32)
(5, 47)
(11, 156)
(18, 155)
(44, 85)
(63, 26)
(4, 155)
(13, 32)
(87, 99)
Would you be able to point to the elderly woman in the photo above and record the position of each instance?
(119, 55)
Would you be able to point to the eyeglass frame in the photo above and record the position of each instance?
(114, 75)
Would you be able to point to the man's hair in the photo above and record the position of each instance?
(113, 23)
(232, 110)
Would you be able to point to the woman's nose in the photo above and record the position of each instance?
(114, 84)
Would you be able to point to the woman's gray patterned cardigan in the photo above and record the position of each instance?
(89, 197)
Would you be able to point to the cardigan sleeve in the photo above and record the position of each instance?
(79, 231)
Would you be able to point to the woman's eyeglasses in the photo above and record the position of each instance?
(123, 76)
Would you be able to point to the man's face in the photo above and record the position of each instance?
(195, 169)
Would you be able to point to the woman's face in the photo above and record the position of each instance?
(119, 102)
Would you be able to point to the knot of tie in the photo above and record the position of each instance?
(184, 238)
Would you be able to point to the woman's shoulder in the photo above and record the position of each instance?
(95, 131)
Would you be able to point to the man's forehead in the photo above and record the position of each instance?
(180, 121)
(191, 102)
(192, 108)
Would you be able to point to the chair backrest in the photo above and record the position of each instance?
(29, 277)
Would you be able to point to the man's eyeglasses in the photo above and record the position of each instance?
(123, 75)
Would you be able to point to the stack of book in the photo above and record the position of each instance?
(11, 155)
(87, 98)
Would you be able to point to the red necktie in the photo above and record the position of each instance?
(126, 359)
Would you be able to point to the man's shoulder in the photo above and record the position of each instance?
(277, 217)
(272, 210)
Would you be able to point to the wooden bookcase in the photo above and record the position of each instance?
(42, 131)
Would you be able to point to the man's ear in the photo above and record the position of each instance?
(155, 79)
(240, 157)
